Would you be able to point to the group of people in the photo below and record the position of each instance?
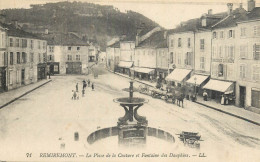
(85, 84)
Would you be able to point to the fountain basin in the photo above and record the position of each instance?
(130, 101)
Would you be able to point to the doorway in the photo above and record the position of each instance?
(242, 92)
(23, 76)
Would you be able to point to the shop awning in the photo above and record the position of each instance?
(125, 64)
(143, 70)
(199, 79)
(178, 75)
(220, 86)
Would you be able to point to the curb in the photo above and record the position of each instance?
(219, 110)
(2, 106)
(225, 112)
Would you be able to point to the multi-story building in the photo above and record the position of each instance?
(3, 59)
(26, 55)
(68, 54)
(224, 55)
(112, 55)
(248, 60)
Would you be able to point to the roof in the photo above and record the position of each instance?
(253, 15)
(218, 85)
(64, 39)
(232, 19)
(178, 75)
(16, 32)
(115, 45)
(156, 40)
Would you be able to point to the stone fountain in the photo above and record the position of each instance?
(132, 128)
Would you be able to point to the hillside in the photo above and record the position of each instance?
(95, 22)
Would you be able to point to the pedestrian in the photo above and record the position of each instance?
(83, 92)
(205, 95)
(74, 95)
(88, 83)
(77, 87)
(92, 86)
(222, 101)
(84, 84)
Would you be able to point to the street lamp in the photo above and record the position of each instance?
(195, 79)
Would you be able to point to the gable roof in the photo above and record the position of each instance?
(232, 19)
(64, 39)
(253, 15)
(16, 32)
(156, 40)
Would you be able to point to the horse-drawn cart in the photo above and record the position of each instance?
(190, 139)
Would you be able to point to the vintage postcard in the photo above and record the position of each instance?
(129, 80)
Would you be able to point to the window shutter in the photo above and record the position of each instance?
(233, 33)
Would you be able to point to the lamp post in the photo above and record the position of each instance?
(195, 79)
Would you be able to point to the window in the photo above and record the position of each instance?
(51, 48)
(256, 51)
(69, 48)
(231, 34)
(77, 57)
(171, 57)
(78, 48)
(31, 44)
(44, 56)
(179, 42)
(242, 73)
(188, 58)
(220, 52)
(256, 72)
(202, 44)
(221, 35)
(243, 51)
(214, 35)
(11, 42)
(17, 43)
(257, 30)
(231, 52)
(202, 62)
(24, 43)
(39, 58)
(23, 57)
(220, 70)
(43, 45)
(18, 58)
(11, 58)
(39, 45)
(172, 42)
(31, 57)
(69, 57)
(188, 42)
(50, 57)
(243, 32)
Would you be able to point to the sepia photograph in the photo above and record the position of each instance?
(130, 80)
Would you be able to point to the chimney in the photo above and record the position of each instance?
(230, 8)
(240, 5)
(250, 5)
(210, 12)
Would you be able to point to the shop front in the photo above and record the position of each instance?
(196, 82)
(3, 79)
(41, 71)
(143, 73)
(178, 77)
(161, 74)
(53, 67)
(218, 89)
(124, 67)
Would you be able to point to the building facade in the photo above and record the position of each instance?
(3, 60)
(248, 61)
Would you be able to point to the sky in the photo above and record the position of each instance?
(167, 13)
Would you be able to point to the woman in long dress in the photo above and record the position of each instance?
(222, 100)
